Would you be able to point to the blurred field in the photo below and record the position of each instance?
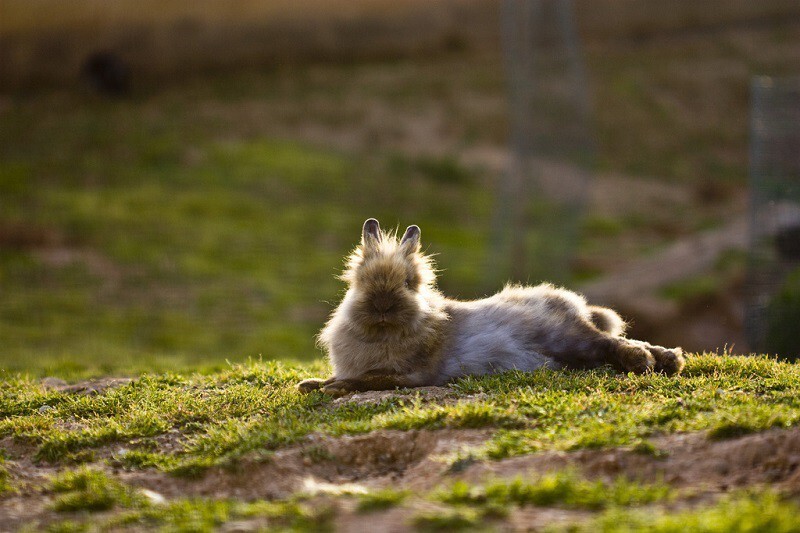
(204, 219)
(37, 15)
(47, 41)
(126, 239)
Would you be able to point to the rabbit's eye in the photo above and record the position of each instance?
(408, 283)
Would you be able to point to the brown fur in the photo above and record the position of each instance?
(394, 329)
(379, 325)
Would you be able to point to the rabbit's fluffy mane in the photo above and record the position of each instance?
(392, 313)
(387, 255)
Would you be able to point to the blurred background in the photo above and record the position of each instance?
(179, 181)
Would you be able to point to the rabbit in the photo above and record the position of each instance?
(395, 329)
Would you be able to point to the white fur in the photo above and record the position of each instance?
(488, 336)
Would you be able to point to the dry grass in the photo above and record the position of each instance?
(46, 41)
(38, 15)
(597, 17)
(640, 19)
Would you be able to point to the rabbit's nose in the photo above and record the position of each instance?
(383, 302)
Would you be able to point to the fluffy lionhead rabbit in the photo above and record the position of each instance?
(395, 329)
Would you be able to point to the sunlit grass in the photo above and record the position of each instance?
(91, 490)
(183, 425)
(254, 408)
(742, 511)
(381, 499)
(563, 488)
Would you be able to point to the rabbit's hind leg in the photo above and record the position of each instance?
(581, 345)
(631, 357)
(670, 361)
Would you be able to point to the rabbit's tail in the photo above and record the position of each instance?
(607, 320)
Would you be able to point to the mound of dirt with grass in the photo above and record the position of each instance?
(422, 460)
(242, 450)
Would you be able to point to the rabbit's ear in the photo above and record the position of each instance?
(410, 241)
(371, 234)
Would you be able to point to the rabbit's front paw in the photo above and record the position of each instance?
(338, 388)
(309, 385)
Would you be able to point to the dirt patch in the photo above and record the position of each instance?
(426, 394)
(684, 461)
(769, 458)
(379, 453)
(88, 388)
(26, 474)
(421, 460)
(325, 464)
(18, 513)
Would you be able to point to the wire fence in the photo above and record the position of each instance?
(773, 303)
(543, 195)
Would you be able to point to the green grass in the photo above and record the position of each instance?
(6, 485)
(91, 490)
(254, 408)
(381, 499)
(449, 520)
(94, 491)
(128, 258)
(204, 514)
(562, 488)
(625, 506)
(182, 425)
(471, 505)
(740, 512)
(145, 235)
